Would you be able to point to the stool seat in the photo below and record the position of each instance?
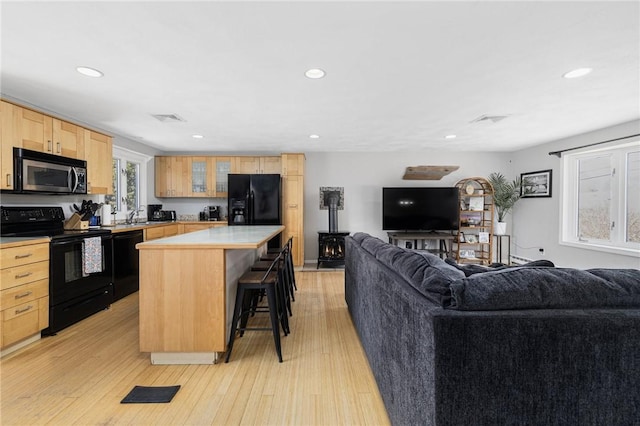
(269, 256)
(257, 277)
(261, 265)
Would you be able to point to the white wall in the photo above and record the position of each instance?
(364, 174)
(536, 221)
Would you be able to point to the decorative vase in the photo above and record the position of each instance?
(500, 228)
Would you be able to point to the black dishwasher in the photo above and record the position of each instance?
(126, 263)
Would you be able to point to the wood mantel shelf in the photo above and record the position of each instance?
(428, 172)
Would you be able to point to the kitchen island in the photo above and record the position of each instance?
(187, 290)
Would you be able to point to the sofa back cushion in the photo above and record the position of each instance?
(540, 288)
(427, 273)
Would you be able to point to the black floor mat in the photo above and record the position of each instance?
(150, 394)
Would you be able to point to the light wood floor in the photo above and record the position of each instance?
(80, 375)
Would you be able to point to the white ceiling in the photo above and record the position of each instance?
(400, 75)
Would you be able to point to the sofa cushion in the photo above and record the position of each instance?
(424, 271)
(540, 288)
(427, 273)
(471, 269)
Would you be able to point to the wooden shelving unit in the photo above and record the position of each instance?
(475, 234)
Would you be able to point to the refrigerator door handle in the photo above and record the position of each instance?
(250, 207)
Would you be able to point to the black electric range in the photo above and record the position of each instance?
(78, 287)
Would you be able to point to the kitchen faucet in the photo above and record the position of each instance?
(133, 213)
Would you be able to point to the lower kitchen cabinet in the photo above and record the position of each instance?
(199, 226)
(24, 291)
(156, 232)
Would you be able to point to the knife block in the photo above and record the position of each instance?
(75, 222)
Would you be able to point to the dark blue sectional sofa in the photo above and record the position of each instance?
(517, 346)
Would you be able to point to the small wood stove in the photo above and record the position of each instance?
(331, 248)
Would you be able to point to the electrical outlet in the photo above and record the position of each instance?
(541, 250)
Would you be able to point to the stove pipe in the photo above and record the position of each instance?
(333, 213)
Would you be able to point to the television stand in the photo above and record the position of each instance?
(443, 250)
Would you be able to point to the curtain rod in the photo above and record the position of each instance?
(559, 153)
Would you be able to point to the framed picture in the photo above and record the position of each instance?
(483, 237)
(536, 184)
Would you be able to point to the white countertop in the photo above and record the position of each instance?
(6, 242)
(227, 237)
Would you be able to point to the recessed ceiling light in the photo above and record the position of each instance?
(314, 73)
(450, 137)
(578, 72)
(197, 136)
(314, 136)
(89, 72)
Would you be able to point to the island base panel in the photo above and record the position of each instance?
(182, 300)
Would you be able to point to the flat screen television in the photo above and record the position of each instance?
(420, 209)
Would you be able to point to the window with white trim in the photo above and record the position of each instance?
(129, 181)
(601, 199)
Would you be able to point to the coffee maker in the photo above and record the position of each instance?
(214, 213)
(154, 212)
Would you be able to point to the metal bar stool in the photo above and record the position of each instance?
(286, 291)
(249, 284)
(270, 255)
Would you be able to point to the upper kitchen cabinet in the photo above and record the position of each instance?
(40, 132)
(292, 164)
(203, 177)
(99, 156)
(173, 176)
(209, 176)
(68, 139)
(224, 166)
(6, 147)
(257, 165)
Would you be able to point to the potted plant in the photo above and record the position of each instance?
(505, 195)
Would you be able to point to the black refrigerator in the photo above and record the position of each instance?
(254, 200)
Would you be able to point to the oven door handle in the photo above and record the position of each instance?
(64, 243)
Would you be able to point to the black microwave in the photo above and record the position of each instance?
(39, 172)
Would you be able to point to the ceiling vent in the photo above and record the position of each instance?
(168, 118)
(492, 118)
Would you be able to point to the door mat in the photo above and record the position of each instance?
(150, 394)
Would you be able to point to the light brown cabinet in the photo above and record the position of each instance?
(6, 147)
(161, 231)
(293, 204)
(40, 132)
(202, 177)
(24, 292)
(173, 176)
(257, 165)
(99, 156)
(223, 166)
(185, 228)
(293, 164)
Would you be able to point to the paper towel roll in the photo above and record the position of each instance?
(105, 214)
